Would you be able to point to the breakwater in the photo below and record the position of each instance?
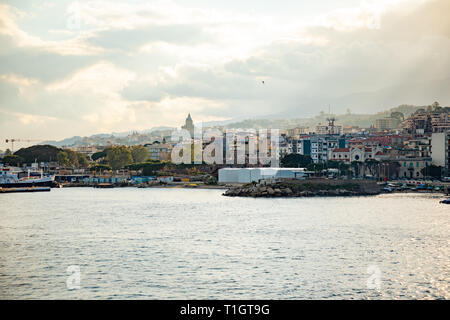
(305, 188)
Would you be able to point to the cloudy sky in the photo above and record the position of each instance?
(84, 67)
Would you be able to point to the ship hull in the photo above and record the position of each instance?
(28, 184)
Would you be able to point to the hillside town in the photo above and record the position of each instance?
(395, 147)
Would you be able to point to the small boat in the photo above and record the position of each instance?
(445, 201)
(103, 185)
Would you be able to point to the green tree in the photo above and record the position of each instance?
(432, 171)
(139, 153)
(62, 158)
(83, 162)
(13, 160)
(372, 165)
(38, 153)
(98, 155)
(398, 115)
(294, 160)
(118, 157)
(73, 158)
(7, 153)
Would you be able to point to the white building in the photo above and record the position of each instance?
(412, 167)
(247, 175)
(358, 154)
(440, 150)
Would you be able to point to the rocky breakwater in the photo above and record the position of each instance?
(305, 188)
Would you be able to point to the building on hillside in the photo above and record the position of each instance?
(427, 121)
(422, 145)
(86, 150)
(387, 123)
(328, 129)
(159, 151)
(297, 131)
(350, 129)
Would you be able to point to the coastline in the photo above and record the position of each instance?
(293, 188)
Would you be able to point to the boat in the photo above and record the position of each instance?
(104, 185)
(10, 179)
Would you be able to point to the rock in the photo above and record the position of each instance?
(270, 191)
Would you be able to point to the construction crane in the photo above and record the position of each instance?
(17, 140)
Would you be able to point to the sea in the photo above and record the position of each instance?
(175, 243)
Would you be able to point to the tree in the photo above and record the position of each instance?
(73, 158)
(355, 168)
(7, 153)
(432, 171)
(38, 153)
(13, 160)
(139, 154)
(98, 155)
(118, 157)
(398, 115)
(294, 160)
(62, 158)
(435, 105)
(83, 162)
(372, 165)
(316, 167)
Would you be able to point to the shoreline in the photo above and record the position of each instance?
(274, 190)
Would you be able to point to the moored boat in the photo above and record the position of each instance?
(10, 179)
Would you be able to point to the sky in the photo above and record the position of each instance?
(85, 67)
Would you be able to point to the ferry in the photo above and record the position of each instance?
(10, 179)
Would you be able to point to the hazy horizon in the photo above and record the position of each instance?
(78, 68)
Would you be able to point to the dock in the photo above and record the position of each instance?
(25, 189)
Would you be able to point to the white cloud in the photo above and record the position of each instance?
(109, 66)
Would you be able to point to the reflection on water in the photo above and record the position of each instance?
(195, 244)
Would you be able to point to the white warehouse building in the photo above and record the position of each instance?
(247, 175)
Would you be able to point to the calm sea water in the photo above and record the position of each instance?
(196, 244)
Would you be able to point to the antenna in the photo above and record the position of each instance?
(331, 119)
